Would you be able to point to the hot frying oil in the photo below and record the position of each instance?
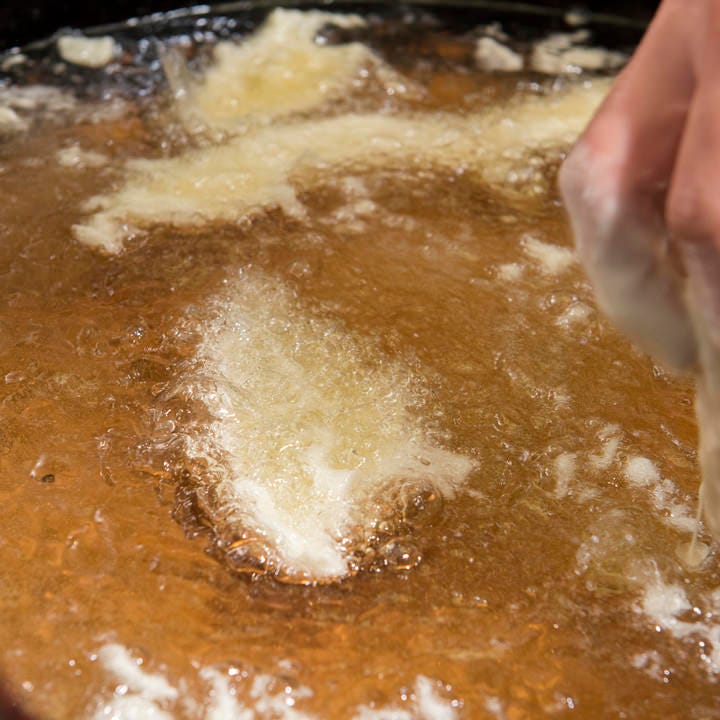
(367, 447)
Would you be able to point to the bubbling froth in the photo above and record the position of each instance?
(280, 69)
(315, 453)
(263, 147)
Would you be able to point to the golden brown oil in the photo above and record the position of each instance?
(528, 601)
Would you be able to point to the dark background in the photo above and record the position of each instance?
(23, 21)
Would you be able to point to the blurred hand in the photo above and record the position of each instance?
(642, 187)
(643, 176)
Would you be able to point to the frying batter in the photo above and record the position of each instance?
(281, 451)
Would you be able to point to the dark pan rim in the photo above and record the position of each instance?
(507, 8)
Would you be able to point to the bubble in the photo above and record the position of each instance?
(607, 557)
(247, 556)
(692, 554)
(145, 370)
(421, 505)
(399, 554)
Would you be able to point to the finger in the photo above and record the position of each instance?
(693, 207)
(638, 128)
(693, 210)
(614, 183)
(703, 265)
(694, 220)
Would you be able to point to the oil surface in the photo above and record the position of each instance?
(548, 586)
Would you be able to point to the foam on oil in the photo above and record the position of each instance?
(315, 436)
(251, 166)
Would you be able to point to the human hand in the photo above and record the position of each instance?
(642, 188)
(641, 178)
